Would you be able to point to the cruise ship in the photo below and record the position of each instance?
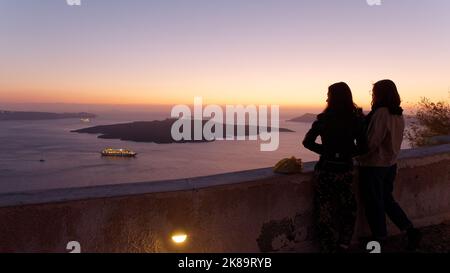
(118, 152)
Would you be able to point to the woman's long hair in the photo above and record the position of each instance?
(385, 94)
(340, 100)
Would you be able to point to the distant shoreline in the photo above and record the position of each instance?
(157, 131)
(19, 115)
(308, 117)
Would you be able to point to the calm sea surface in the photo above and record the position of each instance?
(73, 159)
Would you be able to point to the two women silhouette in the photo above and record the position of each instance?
(374, 141)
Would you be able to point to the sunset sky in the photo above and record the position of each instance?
(229, 51)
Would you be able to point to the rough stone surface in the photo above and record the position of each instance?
(253, 212)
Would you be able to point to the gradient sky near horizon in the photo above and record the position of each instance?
(229, 51)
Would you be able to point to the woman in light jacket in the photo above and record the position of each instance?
(378, 168)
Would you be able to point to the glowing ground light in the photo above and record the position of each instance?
(179, 238)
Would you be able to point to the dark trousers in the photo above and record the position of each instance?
(376, 186)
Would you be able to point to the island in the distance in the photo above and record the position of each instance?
(18, 115)
(308, 117)
(157, 131)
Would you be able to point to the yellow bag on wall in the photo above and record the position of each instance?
(289, 166)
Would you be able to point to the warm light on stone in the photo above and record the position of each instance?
(179, 238)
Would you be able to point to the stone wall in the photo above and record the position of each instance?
(250, 211)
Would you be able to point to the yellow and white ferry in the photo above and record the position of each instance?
(118, 152)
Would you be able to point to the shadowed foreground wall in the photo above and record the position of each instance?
(251, 211)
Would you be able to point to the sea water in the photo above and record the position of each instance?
(74, 160)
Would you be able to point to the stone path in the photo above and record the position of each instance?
(436, 239)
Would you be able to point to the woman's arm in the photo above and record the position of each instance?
(310, 138)
(361, 137)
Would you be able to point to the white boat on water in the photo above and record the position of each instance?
(118, 152)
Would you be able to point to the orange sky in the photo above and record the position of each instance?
(283, 53)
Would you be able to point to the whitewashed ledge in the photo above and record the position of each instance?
(415, 158)
(126, 189)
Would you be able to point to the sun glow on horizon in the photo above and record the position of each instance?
(273, 53)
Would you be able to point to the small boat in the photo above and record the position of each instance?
(118, 152)
(86, 120)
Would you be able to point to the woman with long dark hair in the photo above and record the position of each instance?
(378, 168)
(340, 127)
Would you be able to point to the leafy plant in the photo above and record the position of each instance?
(431, 119)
